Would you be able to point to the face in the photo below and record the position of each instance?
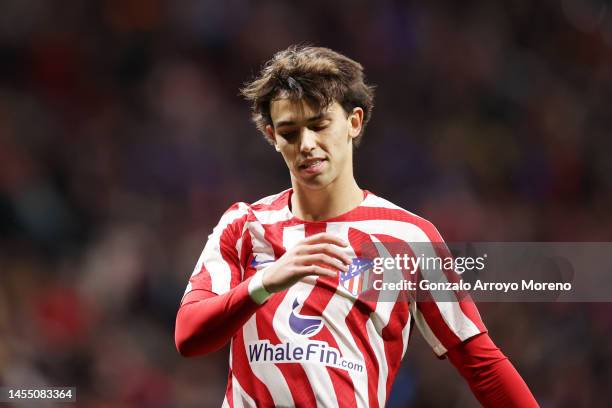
(316, 145)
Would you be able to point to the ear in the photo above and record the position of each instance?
(270, 135)
(355, 120)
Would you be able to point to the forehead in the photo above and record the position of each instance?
(289, 110)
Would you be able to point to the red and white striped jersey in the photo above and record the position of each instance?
(319, 343)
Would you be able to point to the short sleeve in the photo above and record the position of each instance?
(218, 268)
(448, 320)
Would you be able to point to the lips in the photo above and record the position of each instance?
(310, 163)
(312, 166)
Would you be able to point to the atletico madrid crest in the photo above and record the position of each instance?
(356, 278)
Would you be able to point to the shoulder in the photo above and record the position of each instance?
(268, 203)
(240, 213)
(272, 202)
(386, 210)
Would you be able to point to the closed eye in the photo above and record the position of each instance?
(288, 135)
(317, 128)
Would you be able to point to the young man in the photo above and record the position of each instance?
(277, 277)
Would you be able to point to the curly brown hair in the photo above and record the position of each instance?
(316, 74)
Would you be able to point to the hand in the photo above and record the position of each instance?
(318, 254)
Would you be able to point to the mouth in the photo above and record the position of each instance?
(312, 166)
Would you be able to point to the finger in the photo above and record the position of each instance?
(323, 259)
(329, 249)
(317, 270)
(325, 237)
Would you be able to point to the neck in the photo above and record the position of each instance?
(333, 200)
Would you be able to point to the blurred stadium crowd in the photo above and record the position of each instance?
(123, 139)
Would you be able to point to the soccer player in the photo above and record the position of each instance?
(278, 277)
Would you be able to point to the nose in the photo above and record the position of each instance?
(308, 141)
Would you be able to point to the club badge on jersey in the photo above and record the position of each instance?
(356, 278)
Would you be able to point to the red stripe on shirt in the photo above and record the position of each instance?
(229, 390)
(394, 346)
(357, 319)
(315, 304)
(294, 374)
(249, 382)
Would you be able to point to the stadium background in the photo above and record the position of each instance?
(123, 139)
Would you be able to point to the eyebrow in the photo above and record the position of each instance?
(307, 120)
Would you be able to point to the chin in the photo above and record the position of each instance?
(320, 182)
